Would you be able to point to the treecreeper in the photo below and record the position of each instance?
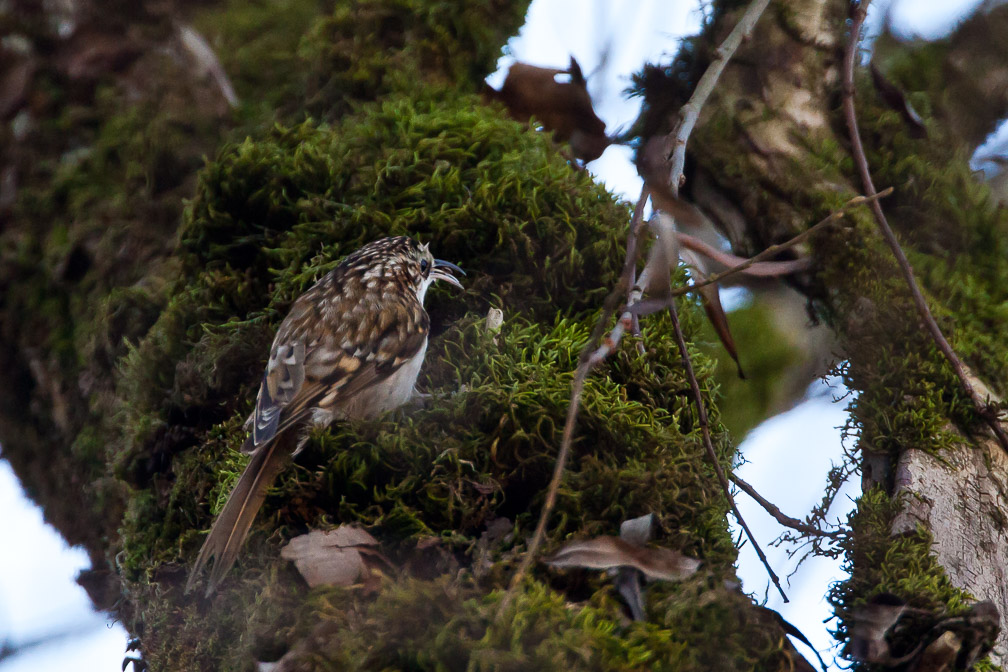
(351, 347)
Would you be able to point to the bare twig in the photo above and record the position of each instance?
(859, 10)
(636, 222)
(586, 363)
(709, 445)
(690, 112)
(643, 308)
(780, 516)
(589, 358)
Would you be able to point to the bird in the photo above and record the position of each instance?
(350, 348)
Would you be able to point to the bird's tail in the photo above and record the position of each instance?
(235, 519)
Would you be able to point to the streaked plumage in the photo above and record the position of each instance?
(350, 347)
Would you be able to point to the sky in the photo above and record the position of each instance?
(38, 595)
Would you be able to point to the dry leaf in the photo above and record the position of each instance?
(637, 531)
(330, 557)
(657, 564)
(710, 296)
(562, 107)
(870, 625)
(955, 642)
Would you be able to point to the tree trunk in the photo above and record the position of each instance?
(134, 327)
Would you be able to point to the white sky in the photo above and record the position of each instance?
(38, 594)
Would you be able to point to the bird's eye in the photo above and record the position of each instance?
(423, 265)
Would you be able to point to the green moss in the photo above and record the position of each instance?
(444, 472)
(880, 562)
(368, 50)
(482, 190)
(441, 625)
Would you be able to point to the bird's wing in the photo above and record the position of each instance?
(315, 364)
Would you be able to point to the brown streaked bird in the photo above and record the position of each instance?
(350, 347)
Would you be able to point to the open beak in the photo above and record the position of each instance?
(441, 271)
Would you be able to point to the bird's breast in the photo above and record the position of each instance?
(387, 394)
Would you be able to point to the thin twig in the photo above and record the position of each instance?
(551, 493)
(590, 358)
(780, 516)
(636, 222)
(586, 362)
(857, 149)
(643, 308)
(709, 445)
(690, 112)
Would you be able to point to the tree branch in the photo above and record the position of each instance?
(709, 446)
(780, 516)
(858, 12)
(690, 112)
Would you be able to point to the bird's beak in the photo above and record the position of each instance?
(439, 272)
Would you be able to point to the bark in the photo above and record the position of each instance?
(133, 332)
(778, 109)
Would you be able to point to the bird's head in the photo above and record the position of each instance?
(408, 259)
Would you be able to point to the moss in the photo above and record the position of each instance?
(880, 562)
(444, 472)
(368, 50)
(480, 189)
(441, 625)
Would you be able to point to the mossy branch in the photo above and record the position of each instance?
(689, 114)
(858, 12)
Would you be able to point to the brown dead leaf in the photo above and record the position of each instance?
(710, 296)
(332, 557)
(929, 640)
(564, 107)
(604, 553)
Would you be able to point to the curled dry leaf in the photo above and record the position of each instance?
(944, 643)
(710, 296)
(564, 107)
(637, 531)
(604, 553)
(332, 557)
